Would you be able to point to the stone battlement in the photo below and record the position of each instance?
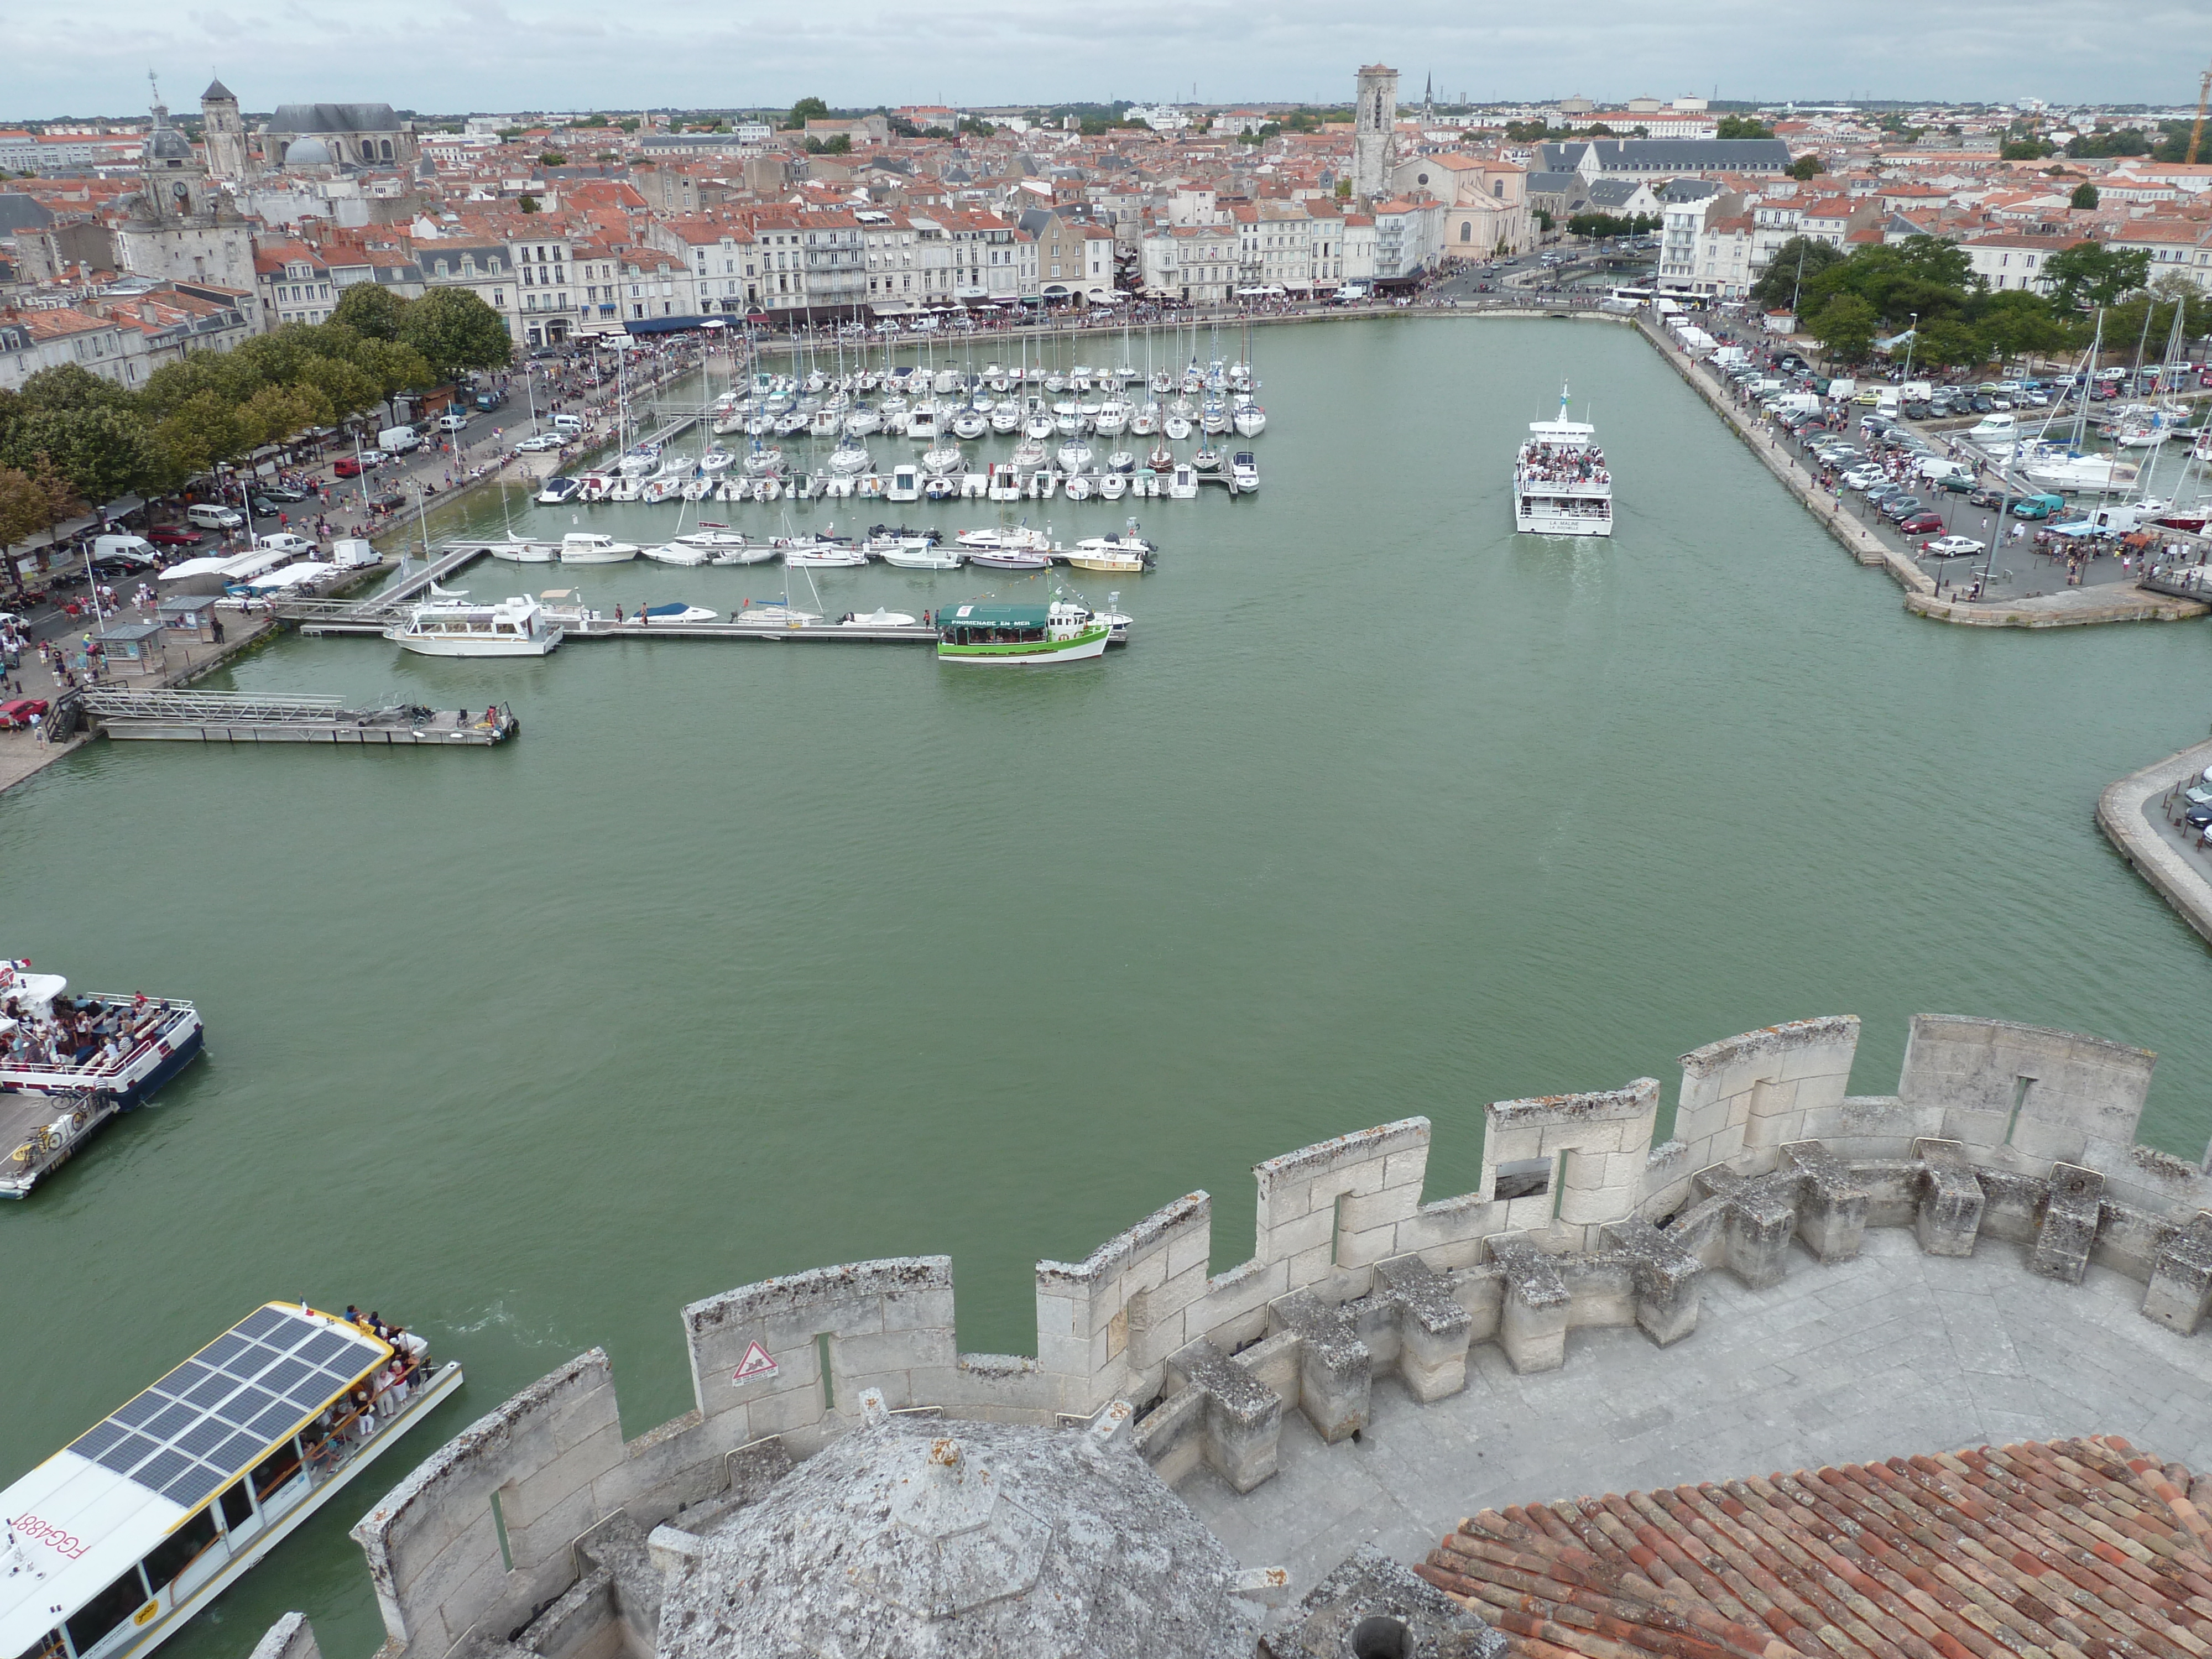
(2006, 1132)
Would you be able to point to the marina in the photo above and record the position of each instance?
(197, 716)
(1332, 837)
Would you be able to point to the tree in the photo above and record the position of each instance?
(370, 311)
(608, 156)
(552, 158)
(1778, 285)
(1806, 166)
(454, 331)
(2091, 274)
(71, 387)
(2026, 150)
(102, 453)
(1845, 328)
(25, 507)
(805, 110)
(2084, 196)
(1543, 216)
(1742, 126)
(527, 203)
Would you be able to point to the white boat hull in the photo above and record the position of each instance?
(471, 644)
(1562, 523)
(613, 556)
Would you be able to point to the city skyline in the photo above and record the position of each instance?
(561, 55)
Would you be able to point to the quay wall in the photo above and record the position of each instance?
(1999, 1136)
(2123, 814)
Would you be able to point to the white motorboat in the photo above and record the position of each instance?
(453, 627)
(1074, 455)
(921, 419)
(1112, 486)
(822, 553)
(905, 484)
(780, 616)
(1128, 551)
(558, 492)
(1079, 487)
(880, 618)
(1183, 482)
(679, 553)
(1250, 419)
(1177, 427)
(908, 553)
(676, 612)
(943, 458)
(583, 547)
(2094, 474)
(1112, 419)
(1244, 472)
(521, 550)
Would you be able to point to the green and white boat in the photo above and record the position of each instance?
(1020, 636)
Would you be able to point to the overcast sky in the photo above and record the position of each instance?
(495, 55)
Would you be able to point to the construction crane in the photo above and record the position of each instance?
(2196, 133)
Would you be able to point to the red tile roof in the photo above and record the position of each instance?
(2086, 1549)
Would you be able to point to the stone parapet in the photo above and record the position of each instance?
(2000, 1136)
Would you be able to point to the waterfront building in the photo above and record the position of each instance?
(2007, 260)
(1196, 264)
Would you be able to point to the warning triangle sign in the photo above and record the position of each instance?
(755, 1363)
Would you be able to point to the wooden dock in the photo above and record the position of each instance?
(241, 717)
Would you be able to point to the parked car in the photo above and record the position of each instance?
(1980, 405)
(1897, 508)
(1881, 490)
(1923, 523)
(279, 492)
(1950, 547)
(174, 535)
(453, 421)
(540, 444)
(1863, 477)
(390, 502)
(16, 714)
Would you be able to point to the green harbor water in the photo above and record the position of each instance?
(747, 959)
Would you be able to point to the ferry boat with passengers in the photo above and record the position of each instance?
(1560, 484)
(68, 1064)
(1020, 636)
(116, 1540)
(451, 627)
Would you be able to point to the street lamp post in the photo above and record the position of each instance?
(1912, 339)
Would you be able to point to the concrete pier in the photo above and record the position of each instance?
(2131, 814)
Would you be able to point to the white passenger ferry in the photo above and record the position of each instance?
(68, 1064)
(116, 1540)
(452, 626)
(1560, 483)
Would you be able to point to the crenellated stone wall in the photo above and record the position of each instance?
(1999, 1136)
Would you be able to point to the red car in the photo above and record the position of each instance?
(18, 713)
(1922, 524)
(172, 535)
(345, 467)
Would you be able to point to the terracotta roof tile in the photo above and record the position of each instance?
(2076, 1549)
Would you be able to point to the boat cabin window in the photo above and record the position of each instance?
(275, 1469)
(101, 1615)
(237, 1506)
(178, 1550)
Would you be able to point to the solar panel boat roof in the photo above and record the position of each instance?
(93, 1508)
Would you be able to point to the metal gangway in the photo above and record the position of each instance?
(202, 708)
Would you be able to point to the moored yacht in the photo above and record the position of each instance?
(583, 547)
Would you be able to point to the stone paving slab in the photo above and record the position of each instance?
(1893, 1353)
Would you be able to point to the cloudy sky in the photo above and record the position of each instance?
(502, 55)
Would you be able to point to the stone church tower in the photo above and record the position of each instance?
(179, 227)
(229, 158)
(1376, 116)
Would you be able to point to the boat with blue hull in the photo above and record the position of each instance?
(68, 1064)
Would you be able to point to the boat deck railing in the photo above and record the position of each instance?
(166, 1017)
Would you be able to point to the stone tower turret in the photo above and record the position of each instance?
(229, 156)
(1375, 118)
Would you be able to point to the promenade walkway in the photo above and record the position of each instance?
(2132, 814)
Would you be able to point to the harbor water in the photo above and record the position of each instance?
(748, 958)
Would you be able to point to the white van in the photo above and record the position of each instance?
(1917, 391)
(568, 424)
(351, 554)
(398, 439)
(1842, 389)
(208, 516)
(135, 552)
(1884, 400)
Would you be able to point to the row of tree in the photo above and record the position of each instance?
(70, 437)
(1847, 302)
